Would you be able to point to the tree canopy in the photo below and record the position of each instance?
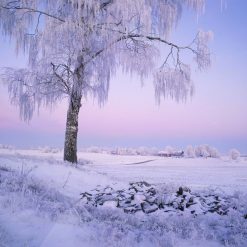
(61, 38)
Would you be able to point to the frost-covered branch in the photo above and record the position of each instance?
(60, 77)
(16, 5)
(76, 46)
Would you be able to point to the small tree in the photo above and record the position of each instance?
(234, 154)
(202, 151)
(75, 47)
(190, 152)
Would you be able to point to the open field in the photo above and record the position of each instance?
(40, 200)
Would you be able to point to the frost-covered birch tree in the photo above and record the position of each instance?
(76, 46)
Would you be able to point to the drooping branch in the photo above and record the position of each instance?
(41, 12)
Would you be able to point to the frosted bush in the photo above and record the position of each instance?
(131, 151)
(213, 152)
(169, 150)
(48, 149)
(105, 150)
(120, 151)
(142, 151)
(5, 146)
(234, 154)
(93, 149)
(206, 151)
(153, 151)
(201, 151)
(190, 152)
(55, 150)
(146, 151)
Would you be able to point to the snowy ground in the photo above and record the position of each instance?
(40, 200)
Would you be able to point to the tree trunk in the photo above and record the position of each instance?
(70, 145)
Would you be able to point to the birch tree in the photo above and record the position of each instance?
(74, 47)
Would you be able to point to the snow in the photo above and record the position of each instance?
(40, 200)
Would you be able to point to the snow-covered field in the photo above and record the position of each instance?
(40, 201)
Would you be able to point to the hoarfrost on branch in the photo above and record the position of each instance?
(75, 47)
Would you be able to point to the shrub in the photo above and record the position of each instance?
(201, 151)
(234, 154)
(206, 151)
(213, 152)
(190, 152)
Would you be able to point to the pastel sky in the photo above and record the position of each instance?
(216, 115)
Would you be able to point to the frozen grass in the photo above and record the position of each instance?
(40, 204)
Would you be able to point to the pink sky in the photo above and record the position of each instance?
(215, 115)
